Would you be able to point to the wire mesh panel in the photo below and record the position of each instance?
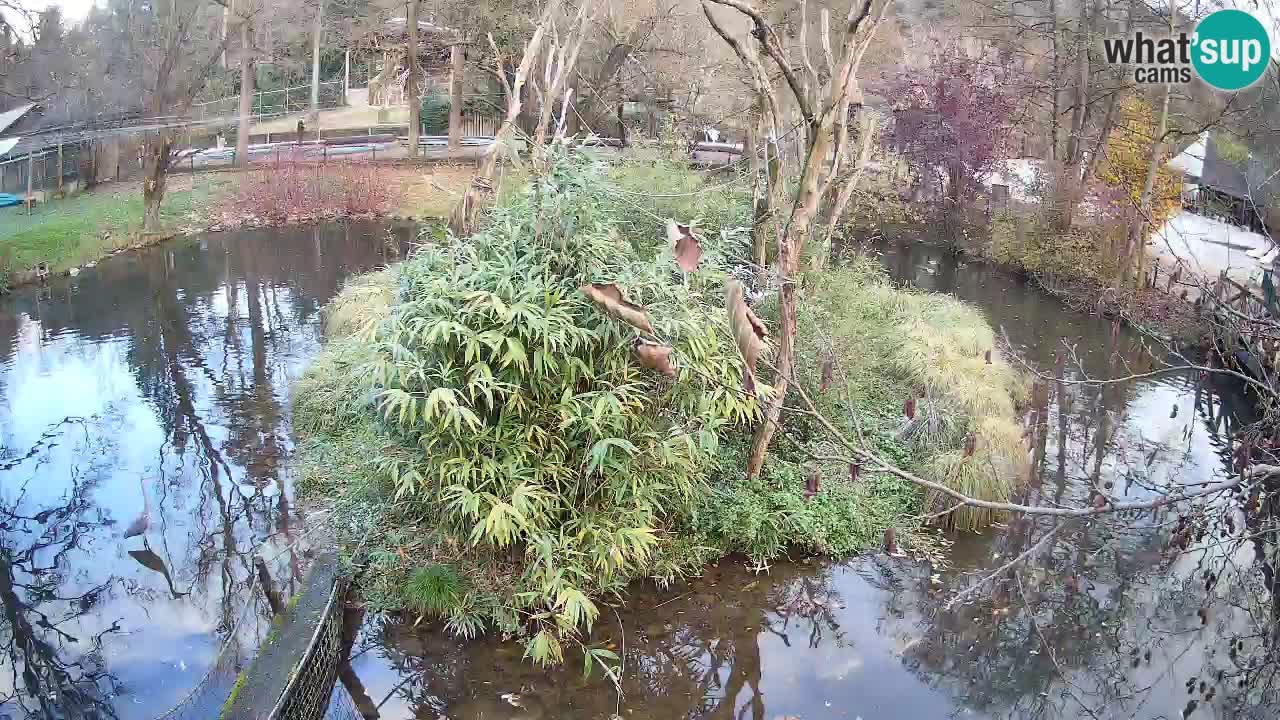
(293, 674)
(309, 691)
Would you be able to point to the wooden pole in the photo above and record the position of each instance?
(268, 586)
(60, 171)
(31, 175)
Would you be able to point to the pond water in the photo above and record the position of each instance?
(154, 385)
(157, 383)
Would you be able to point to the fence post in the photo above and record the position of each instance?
(60, 171)
(31, 175)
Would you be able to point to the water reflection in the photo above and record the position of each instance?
(157, 384)
(1105, 622)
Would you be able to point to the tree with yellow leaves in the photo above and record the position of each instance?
(1126, 165)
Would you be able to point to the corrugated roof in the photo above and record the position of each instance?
(7, 144)
(10, 117)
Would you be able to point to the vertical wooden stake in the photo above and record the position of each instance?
(268, 586)
(60, 171)
(31, 176)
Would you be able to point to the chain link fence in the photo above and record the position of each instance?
(270, 103)
(42, 168)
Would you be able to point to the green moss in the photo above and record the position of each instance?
(235, 693)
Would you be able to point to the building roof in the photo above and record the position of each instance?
(9, 117)
(1250, 181)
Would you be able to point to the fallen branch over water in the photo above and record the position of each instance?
(879, 464)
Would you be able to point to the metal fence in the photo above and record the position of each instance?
(310, 687)
(43, 169)
(270, 103)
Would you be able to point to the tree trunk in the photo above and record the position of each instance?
(1055, 81)
(1075, 139)
(1137, 244)
(457, 65)
(593, 108)
(463, 216)
(316, 33)
(155, 178)
(560, 64)
(866, 135)
(246, 92)
(413, 84)
(789, 247)
(759, 199)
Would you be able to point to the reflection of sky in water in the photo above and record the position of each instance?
(168, 368)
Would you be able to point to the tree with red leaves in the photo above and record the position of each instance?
(952, 120)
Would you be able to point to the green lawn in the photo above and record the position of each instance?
(70, 232)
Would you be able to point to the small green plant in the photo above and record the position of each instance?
(434, 589)
(6, 270)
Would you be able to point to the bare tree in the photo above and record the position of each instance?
(178, 45)
(413, 84)
(823, 105)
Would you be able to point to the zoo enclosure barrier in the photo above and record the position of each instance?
(39, 171)
(271, 103)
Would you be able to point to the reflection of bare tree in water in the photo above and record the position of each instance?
(1115, 614)
(54, 670)
(703, 645)
(174, 344)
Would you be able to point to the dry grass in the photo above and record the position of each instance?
(431, 191)
(363, 303)
(993, 472)
(896, 343)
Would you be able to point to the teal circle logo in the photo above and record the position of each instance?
(1231, 49)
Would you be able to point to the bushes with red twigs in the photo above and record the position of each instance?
(299, 190)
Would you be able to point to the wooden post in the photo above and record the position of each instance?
(31, 176)
(60, 172)
(268, 586)
(346, 75)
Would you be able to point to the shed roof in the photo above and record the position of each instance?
(9, 117)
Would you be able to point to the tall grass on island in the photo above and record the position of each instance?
(522, 459)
